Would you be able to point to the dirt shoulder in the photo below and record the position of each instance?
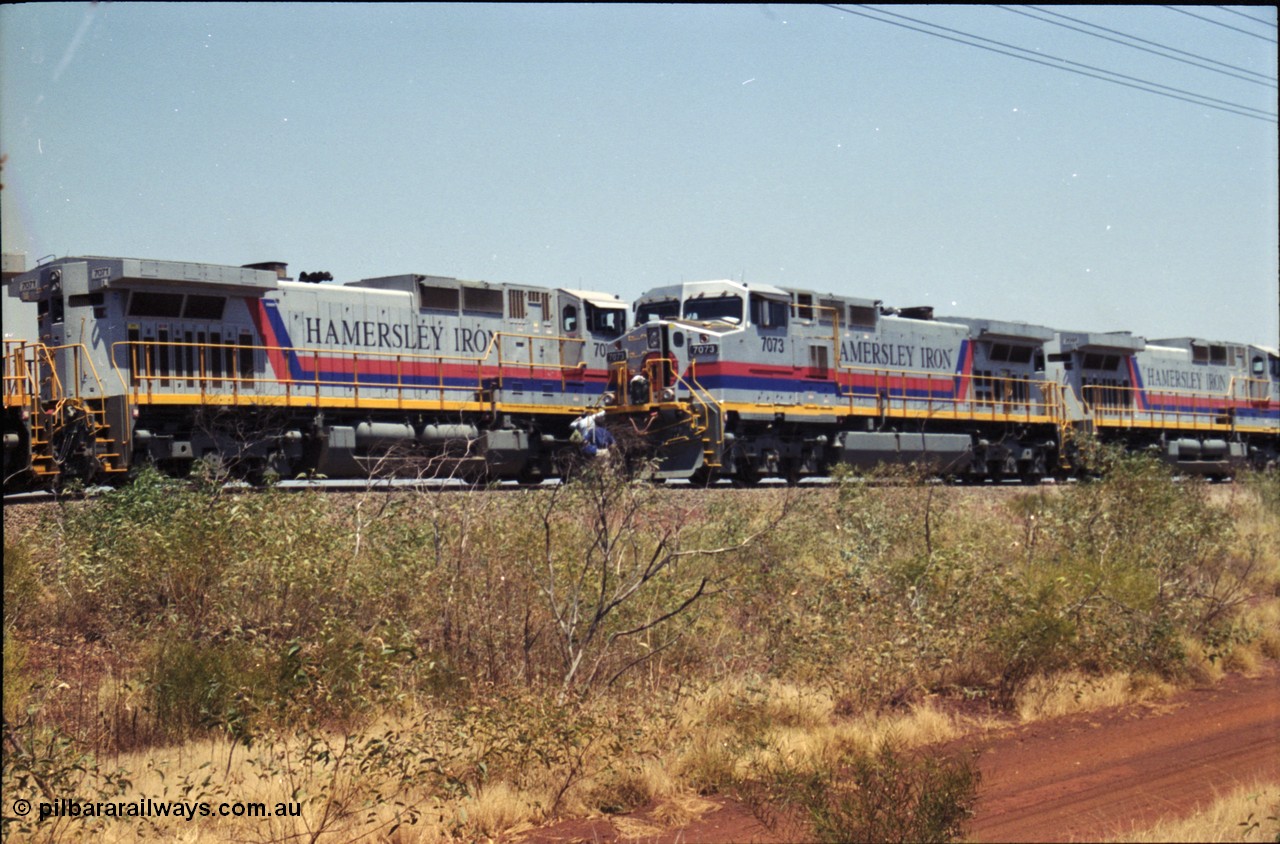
(1077, 778)
(1097, 776)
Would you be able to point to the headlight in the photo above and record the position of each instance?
(668, 394)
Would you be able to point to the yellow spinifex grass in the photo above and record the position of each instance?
(1073, 691)
(1247, 813)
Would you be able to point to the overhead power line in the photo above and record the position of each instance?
(1248, 17)
(1039, 58)
(1262, 80)
(1220, 23)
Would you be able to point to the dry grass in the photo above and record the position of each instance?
(782, 722)
(338, 802)
(636, 828)
(496, 809)
(1073, 692)
(731, 729)
(1265, 617)
(1249, 813)
(1257, 529)
(695, 743)
(681, 810)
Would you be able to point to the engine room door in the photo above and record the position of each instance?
(536, 301)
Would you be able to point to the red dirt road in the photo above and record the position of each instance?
(1097, 776)
(1079, 778)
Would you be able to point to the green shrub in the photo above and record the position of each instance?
(22, 586)
(200, 686)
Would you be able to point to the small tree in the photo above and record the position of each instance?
(614, 566)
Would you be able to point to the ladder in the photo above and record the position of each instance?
(71, 436)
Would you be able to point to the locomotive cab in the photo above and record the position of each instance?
(681, 329)
(1264, 375)
(593, 316)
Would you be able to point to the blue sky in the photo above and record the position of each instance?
(626, 147)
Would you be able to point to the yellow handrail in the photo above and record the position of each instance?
(20, 382)
(1112, 406)
(1001, 397)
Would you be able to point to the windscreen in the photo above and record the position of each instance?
(663, 309)
(725, 308)
(606, 320)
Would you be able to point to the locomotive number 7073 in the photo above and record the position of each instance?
(772, 344)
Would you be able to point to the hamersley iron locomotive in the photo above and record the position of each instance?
(113, 363)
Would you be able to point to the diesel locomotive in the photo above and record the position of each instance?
(111, 363)
(744, 381)
(139, 361)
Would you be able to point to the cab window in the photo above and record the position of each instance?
(767, 313)
(708, 308)
(606, 320)
(663, 309)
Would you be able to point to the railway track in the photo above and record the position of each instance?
(350, 487)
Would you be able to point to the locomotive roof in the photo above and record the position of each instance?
(994, 329)
(14, 263)
(718, 287)
(407, 282)
(1187, 342)
(1121, 341)
(107, 272)
(595, 297)
(857, 301)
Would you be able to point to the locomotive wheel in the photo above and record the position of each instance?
(263, 471)
(532, 474)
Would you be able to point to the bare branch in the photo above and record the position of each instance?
(618, 561)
